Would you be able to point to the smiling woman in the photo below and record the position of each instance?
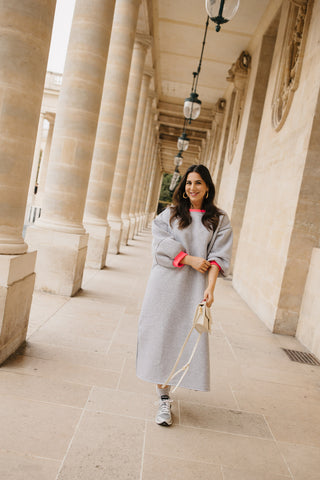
(192, 243)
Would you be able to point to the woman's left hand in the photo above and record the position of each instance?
(208, 297)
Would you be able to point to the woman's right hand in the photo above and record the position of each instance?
(198, 263)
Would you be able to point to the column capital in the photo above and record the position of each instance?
(143, 40)
(151, 94)
(149, 71)
(49, 116)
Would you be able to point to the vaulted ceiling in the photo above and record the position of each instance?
(177, 28)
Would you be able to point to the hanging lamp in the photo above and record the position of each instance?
(221, 11)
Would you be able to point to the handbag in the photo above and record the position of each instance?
(202, 323)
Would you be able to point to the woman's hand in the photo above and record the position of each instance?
(208, 296)
(198, 263)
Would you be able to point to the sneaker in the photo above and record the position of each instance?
(164, 413)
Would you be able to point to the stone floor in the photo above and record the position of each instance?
(72, 408)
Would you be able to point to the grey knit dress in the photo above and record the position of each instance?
(172, 295)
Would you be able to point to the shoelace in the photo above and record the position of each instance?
(165, 406)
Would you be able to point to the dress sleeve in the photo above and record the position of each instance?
(221, 248)
(165, 247)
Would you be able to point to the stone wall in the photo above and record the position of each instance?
(273, 197)
(308, 331)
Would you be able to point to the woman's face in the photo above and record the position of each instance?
(196, 189)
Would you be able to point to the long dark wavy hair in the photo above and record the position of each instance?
(181, 205)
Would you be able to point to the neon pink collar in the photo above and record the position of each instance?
(196, 210)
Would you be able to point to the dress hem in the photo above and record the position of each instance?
(173, 385)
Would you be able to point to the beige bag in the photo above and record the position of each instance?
(202, 322)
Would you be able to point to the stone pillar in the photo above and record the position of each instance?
(25, 33)
(145, 165)
(139, 171)
(142, 43)
(109, 130)
(155, 192)
(45, 161)
(59, 234)
(36, 159)
(148, 168)
(150, 184)
(135, 155)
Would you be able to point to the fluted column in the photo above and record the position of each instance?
(150, 178)
(155, 192)
(139, 170)
(146, 179)
(142, 43)
(35, 163)
(145, 163)
(59, 235)
(45, 161)
(151, 185)
(109, 130)
(25, 33)
(135, 154)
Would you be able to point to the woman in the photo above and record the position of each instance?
(192, 243)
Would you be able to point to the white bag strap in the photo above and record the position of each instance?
(185, 368)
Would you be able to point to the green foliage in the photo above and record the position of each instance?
(165, 194)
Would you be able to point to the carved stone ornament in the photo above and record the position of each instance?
(298, 19)
(238, 75)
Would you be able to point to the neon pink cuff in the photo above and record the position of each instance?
(213, 262)
(178, 258)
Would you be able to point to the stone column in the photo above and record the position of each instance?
(151, 185)
(109, 130)
(127, 132)
(139, 171)
(59, 234)
(135, 155)
(151, 179)
(25, 33)
(45, 161)
(148, 168)
(36, 159)
(145, 163)
(155, 192)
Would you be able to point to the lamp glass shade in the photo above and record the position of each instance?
(178, 160)
(221, 11)
(192, 106)
(174, 181)
(183, 142)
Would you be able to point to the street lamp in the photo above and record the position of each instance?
(178, 159)
(192, 107)
(221, 11)
(192, 104)
(174, 179)
(183, 142)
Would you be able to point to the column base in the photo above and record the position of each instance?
(138, 224)
(17, 279)
(132, 227)
(151, 216)
(61, 259)
(99, 236)
(115, 236)
(125, 231)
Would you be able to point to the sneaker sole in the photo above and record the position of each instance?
(164, 424)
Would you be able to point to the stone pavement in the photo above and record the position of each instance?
(71, 407)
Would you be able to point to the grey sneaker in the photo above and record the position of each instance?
(164, 413)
